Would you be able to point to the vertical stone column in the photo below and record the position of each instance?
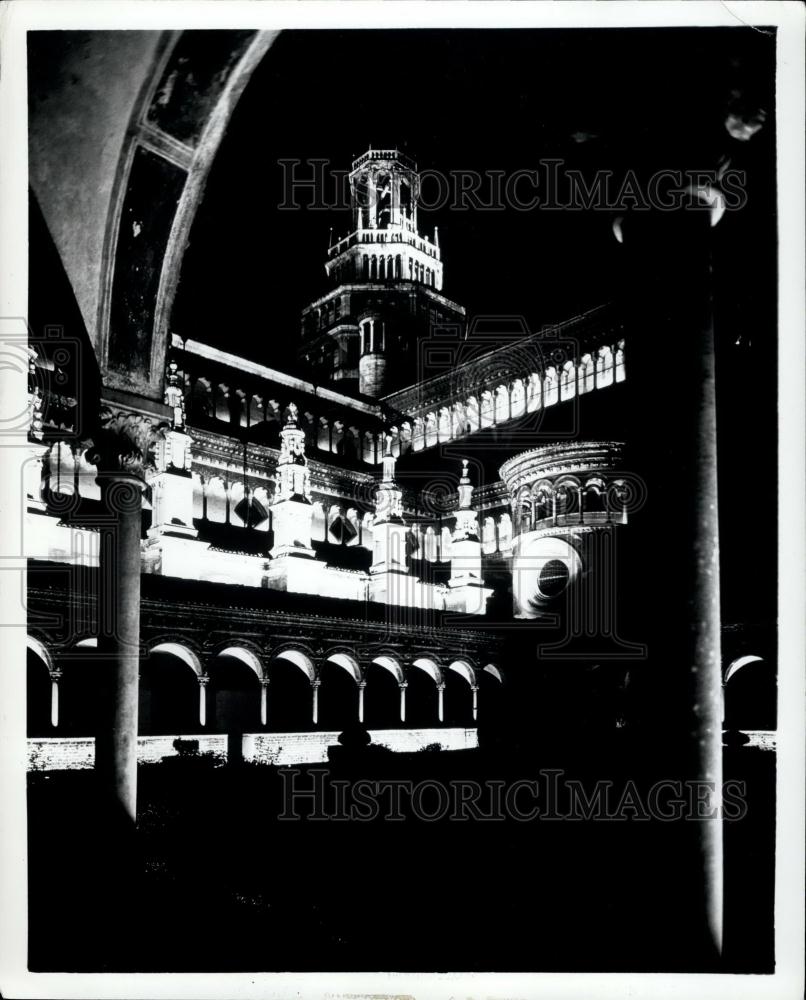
(122, 446)
(55, 677)
(315, 700)
(204, 680)
(361, 688)
(264, 700)
(403, 685)
(475, 690)
(441, 701)
(672, 266)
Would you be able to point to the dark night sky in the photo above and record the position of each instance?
(484, 100)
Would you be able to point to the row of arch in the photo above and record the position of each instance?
(379, 267)
(208, 401)
(568, 499)
(507, 401)
(239, 688)
(511, 400)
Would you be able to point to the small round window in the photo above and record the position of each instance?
(553, 578)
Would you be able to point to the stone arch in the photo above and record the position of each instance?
(568, 381)
(391, 664)
(750, 694)
(494, 671)
(384, 705)
(405, 437)
(222, 403)
(458, 420)
(236, 698)
(472, 413)
(550, 387)
(517, 398)
(586, 374)
(738, 663)
(489, 542)
(319, 526)
(431, 436)
(418, 435)
(444, 430)
(216, 500)
(487, 409)
(261, 509)
(430, 666)
(501, 404)
(340, 694)
(464, 668)
(300, 657)
(201, 400)
(534, 393)
(288, 698)
(460, 695)
(346, 662)
(38, 648)
(604, 367)
(41, 701)
(169, 699)
(181, 651)
(249, 657)
(567, 495)
(505, 532)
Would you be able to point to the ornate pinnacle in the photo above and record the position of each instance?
(174, 396)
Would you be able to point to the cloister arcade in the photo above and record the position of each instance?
(238, 688)
(211, 401)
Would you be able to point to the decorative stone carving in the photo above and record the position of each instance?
(175, 396)
(124, 442)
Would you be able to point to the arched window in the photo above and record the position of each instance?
(568, 381)
(430, 430)
(418, 437)
(255, 411)
(534, 393)
(472, 413)
(505, 533)
(550, 388)
(604, 367)
(488, 539)
(487, 409)
(517, 398)
(222, 411)
(444, 424)
(586, 374)
(201, 407)
(501, 404)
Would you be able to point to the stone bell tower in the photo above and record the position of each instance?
(387, 281)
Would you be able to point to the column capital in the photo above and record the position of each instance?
(123, 442)
(203, 679)
(264, 681)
